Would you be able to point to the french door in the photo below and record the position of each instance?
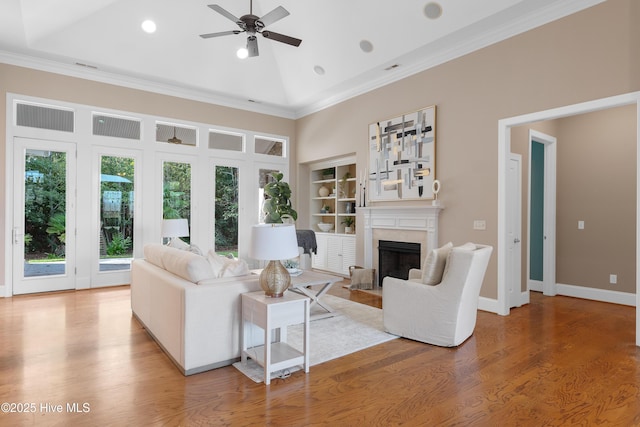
(44, 216)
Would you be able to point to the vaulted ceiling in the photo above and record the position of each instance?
(348, 46)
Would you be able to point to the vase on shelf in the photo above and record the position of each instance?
(323, 191)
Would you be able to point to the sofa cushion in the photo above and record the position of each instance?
(187, 265)
(153, 254)
(434, 265)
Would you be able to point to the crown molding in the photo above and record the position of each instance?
(97, 75)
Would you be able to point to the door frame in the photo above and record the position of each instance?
(514, 271)
(504, 148)
(548, 284)
(16, 245)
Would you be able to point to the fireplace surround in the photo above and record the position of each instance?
(418, 224)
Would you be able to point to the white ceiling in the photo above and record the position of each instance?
(56, 35)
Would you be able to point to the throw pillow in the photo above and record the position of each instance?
(178, 244)
(227, 267)
(434, 264)
(466, 247)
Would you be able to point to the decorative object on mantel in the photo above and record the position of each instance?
(274, 242)
(323, 191)
(277, 207)
(435, 189)
(402, 157)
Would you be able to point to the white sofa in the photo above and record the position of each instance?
(443, 314)
(192, 315)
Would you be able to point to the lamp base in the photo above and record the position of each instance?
(274, 279)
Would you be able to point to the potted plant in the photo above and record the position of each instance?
(348, 222)
(277, 207)
(327, 173)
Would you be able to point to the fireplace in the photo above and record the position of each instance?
(396, 258)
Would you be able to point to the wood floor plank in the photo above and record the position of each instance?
(557, 361)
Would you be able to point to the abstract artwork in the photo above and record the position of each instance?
(402, 157)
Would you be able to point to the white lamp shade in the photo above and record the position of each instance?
(175, 228)
(273, 242)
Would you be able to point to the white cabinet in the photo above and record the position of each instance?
(335, 253)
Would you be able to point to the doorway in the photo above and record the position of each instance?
(542, 213)
(504, 148)
(44, 216)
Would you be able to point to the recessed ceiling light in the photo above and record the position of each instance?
(433, 10)
(318, 70)
(366, 46)
(148, 26)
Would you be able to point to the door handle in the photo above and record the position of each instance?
(516, 240)
(16, 235)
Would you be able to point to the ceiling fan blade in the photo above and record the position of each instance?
(275, 15)
(224, 13)
(222, 33)
(282, 38)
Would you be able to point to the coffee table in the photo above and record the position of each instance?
(301, 284)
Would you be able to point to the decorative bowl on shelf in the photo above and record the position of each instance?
(325, 226)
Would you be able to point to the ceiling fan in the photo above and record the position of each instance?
(251, 24)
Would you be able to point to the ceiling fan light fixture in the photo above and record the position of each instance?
(252, 46)
(242, 53)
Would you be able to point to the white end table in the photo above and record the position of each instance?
(274, 314)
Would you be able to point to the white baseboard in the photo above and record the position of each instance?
(603, 295)
(488, 304)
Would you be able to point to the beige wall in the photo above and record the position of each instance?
(30, 82)
(596, 183)
(590, 55)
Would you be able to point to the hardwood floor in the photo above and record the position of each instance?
(558, 361)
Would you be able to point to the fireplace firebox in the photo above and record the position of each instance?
(395, 259)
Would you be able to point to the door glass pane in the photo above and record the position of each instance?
(44, 213)
(177, 192)
(226, 224)
(116, 212)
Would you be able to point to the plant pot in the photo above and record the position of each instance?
(348, 230)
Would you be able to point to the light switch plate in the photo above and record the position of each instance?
(479, 224)
(580, 225)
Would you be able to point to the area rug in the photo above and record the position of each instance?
(354, 327)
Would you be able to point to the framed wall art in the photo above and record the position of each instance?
(402, 157)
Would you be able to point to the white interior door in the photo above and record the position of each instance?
(514, 230)
(44, 216)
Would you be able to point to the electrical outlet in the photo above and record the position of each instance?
(613, 279)
(479, 224)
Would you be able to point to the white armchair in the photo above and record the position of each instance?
(443, 314)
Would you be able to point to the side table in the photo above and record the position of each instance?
(274, 314)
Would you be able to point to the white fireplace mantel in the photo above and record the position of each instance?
(420, 218)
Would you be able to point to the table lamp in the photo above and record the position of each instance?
(274, 242)
(175, 228)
